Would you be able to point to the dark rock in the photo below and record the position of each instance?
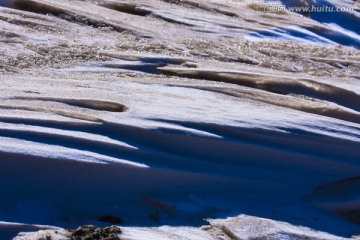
(90, 232)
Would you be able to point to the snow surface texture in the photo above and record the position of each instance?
(148, 113)
(242, 227)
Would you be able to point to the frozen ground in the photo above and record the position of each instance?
(149, 113)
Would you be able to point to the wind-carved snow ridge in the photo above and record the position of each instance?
(291, 34)
(340, 23)
(58, 143)
(283, 86)
(177, 159)
(158, 112)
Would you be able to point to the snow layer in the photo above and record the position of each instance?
(104, 116)
(241, 227)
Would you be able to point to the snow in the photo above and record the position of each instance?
(291, 34)
(240, 227)
(339, 27)
(116, 124)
